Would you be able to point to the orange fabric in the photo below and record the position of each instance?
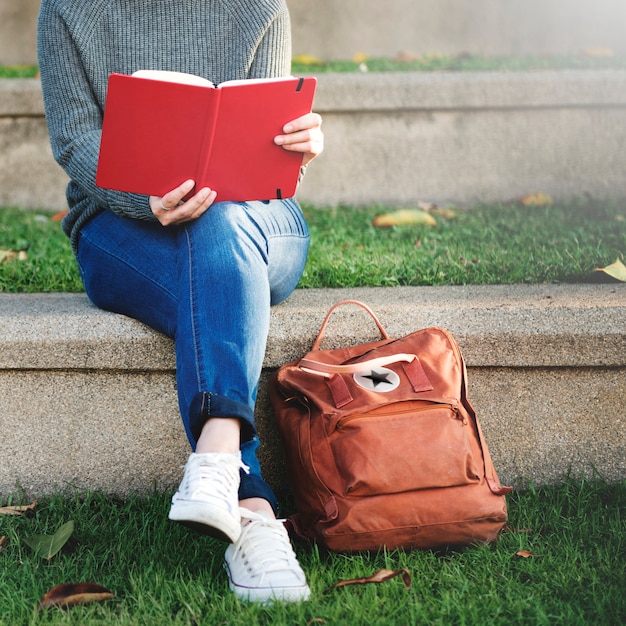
(387, 466)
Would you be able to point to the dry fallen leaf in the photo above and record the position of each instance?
(69, 594)
(525, 554)
(599, 52)
(360, 57)
(536, 199)
(3, 542)
(17, 510)
(57, 217)
(512, 529)
(404, 217)
(406, 56)
(307, 59)
(381, 576)
(616, 270)
(13, 255)
(434, 209)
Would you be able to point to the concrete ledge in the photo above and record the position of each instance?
(398, 138)
(88, 398)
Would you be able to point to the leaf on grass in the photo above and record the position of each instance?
(3, 542)
(599, 52)
(13, 255)
(435, 209)
(512, 529)
(536, 199)
(57, 217)
(307, 59)
(406, 56)
(381, 576)
(404, 217)
(525, 554)
(616, 270)
(72, 594)
(17, 510)
(46, 546)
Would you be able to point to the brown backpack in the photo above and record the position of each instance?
(382, 446)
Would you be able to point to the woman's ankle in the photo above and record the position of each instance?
(219, 434)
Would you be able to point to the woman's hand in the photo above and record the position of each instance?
(303, 134)
(171, 209)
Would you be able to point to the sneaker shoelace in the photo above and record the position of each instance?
(264, 547)
(210, 476)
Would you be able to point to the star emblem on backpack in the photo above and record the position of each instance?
(380, 379)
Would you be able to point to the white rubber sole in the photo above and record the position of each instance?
(203, 518)
(267, 595)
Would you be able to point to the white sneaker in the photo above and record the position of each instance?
(261, 565)
(207, 499)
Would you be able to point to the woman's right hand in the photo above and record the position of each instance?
(171, 209)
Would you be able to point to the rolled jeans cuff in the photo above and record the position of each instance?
(206, 405)
(253, 486)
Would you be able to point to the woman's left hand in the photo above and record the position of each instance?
(303, 134)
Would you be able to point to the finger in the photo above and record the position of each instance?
(173, 198)
(192, 209)
(304, 122)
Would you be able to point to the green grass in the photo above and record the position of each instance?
(49, 266)
(19, 71)
(162, 574)
(494, 244)
(460, 63)
(429, 62)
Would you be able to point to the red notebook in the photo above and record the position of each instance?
(162, 128)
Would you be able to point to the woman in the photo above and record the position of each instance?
(204, 274)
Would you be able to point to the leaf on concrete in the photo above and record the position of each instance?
(46, 546)
(404, 217)
(616, 270)
(72, 594)
(381, 576)
(536, 199)
(17, 510)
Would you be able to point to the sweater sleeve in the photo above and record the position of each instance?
(272, 58)
(74, 116)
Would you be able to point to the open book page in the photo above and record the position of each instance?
(174, 77)
(191, 79)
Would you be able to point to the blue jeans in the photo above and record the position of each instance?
(208, 284)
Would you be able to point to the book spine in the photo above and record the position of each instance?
(204, 164)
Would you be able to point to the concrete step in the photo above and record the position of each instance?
(401, 138)
(88, 398)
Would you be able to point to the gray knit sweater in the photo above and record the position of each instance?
(81, 42)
